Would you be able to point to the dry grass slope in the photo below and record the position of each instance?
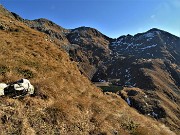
(65, 101)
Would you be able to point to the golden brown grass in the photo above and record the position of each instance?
(166, 92)
(65, 101)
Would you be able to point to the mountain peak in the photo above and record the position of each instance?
(84, 28)
(43, 20)
(154, 29)
(89, 31)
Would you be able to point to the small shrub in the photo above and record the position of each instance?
(3, 70)
(31, 63)
(130, 125)
(3, 27)
(39, 93)
(14, 30)
(25, 72)
(112, 88)
(141, 131)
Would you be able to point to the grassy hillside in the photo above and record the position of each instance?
(65, 101)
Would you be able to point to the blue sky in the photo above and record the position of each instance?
(112, 17)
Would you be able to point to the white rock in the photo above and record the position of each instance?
(128, 101)
(2, 86)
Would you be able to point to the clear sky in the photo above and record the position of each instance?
(112, 17)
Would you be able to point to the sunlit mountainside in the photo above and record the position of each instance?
(62, 64)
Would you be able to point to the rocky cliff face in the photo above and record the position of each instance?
(91, 49)
(146, 64)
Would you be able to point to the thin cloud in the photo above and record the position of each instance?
(152, 16)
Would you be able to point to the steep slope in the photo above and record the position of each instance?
(91, 49)
(85, 45)
(161, 92)
(65, 101)
(149, 61)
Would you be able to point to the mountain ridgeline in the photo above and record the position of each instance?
(62, 64)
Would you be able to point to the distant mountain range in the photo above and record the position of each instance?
(146, 66)
(149, 61)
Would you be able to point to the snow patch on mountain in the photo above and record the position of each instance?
(117, 42)
(149, 35)
(147, 47)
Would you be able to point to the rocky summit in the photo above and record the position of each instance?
(140, 75)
